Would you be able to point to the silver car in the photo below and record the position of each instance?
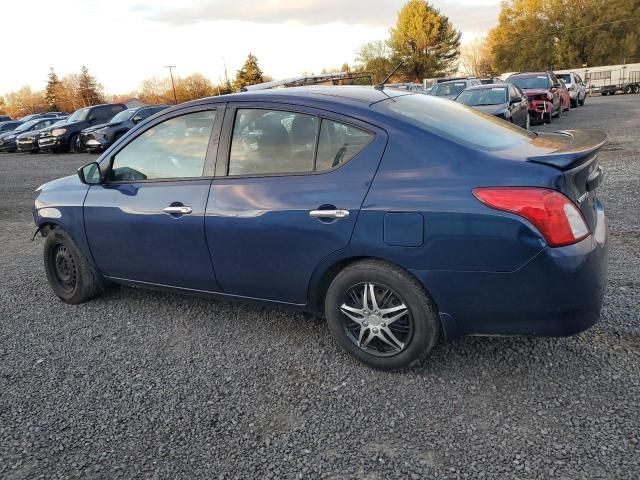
(575, 85)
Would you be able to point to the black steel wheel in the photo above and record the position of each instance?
(69, 274)
(381, 315)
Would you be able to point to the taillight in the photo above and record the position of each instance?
(554, 215)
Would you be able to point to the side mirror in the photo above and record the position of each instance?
(90, 174)
(137, 119)
(516, 100)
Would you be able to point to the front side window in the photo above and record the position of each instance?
(272, 141)
(339, 143)
(175, 148)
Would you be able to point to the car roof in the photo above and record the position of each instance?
(522, 74)
(361, 97)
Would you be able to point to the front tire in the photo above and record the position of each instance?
(75, 145)
(381, 315)
(68, 272)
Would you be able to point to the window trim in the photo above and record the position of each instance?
(210, 155)
(224, 150)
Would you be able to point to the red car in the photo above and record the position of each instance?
(545, 94)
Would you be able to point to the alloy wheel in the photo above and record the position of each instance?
(377, 319)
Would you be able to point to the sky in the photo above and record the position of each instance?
(123, 42)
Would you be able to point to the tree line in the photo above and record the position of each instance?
(79, 90)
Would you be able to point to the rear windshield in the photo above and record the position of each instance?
(124, 115)
(483, 96)
(455, 121)
(530, 81)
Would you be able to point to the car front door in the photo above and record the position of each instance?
(288, 189)
(146, 222)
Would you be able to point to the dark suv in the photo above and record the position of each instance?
(100, 137)
(67, 137)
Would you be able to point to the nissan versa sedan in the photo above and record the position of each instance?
(396, 215)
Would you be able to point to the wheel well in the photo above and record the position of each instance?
(319, 292)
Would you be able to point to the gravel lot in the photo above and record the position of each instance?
(139, 384)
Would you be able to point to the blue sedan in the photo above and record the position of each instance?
(396, 215)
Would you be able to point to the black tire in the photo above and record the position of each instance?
(574, 103)
(68, 272)
(636, 89)
(628, 89)
(546, 117)
(422, 323)
(75, 145)
(581, 102)
(604, 94)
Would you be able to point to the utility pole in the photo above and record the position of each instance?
(173, 85)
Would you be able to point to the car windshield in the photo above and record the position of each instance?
(448, 89)
(530, 81)
(483, 96)
(454, 121)
(79, 115)
(565, 77)
(26, 126)
(123, 116)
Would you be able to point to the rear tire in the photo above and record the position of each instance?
(546, 117)
(581, 102)
(68, 272)
(413, 334)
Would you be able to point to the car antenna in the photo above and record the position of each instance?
(380, 86)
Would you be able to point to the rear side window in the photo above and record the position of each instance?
(339, 143)
(272, 141)
(279, 142)
(175, 148)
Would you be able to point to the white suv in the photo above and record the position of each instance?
(575, 85)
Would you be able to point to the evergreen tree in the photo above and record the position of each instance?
(90, 90)
(249, 74)
(426, 41)
(50, 93)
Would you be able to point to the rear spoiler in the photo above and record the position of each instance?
(582, 146)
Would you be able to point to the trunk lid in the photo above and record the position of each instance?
(577, 158)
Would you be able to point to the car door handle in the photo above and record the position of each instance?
(337, 214)
(179, 210)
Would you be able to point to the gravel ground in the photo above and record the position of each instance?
(140, 384)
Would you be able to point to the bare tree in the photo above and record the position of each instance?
(475, 58)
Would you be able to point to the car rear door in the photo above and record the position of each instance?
(289, 185)
(146, 223)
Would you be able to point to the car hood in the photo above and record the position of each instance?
(9, 134)
(491, 109)
(93, 128)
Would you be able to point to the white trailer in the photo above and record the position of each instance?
(609, 79)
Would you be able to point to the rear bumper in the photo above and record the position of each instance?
(557, 293)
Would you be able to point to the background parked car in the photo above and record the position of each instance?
(100, 137)
(67, 137)
(575, 85)
(28, 142)
(8, 126)
(452, 88)
(565, 97)
(543, 91)
(504, 101)
(34, 116)
(8, 139)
